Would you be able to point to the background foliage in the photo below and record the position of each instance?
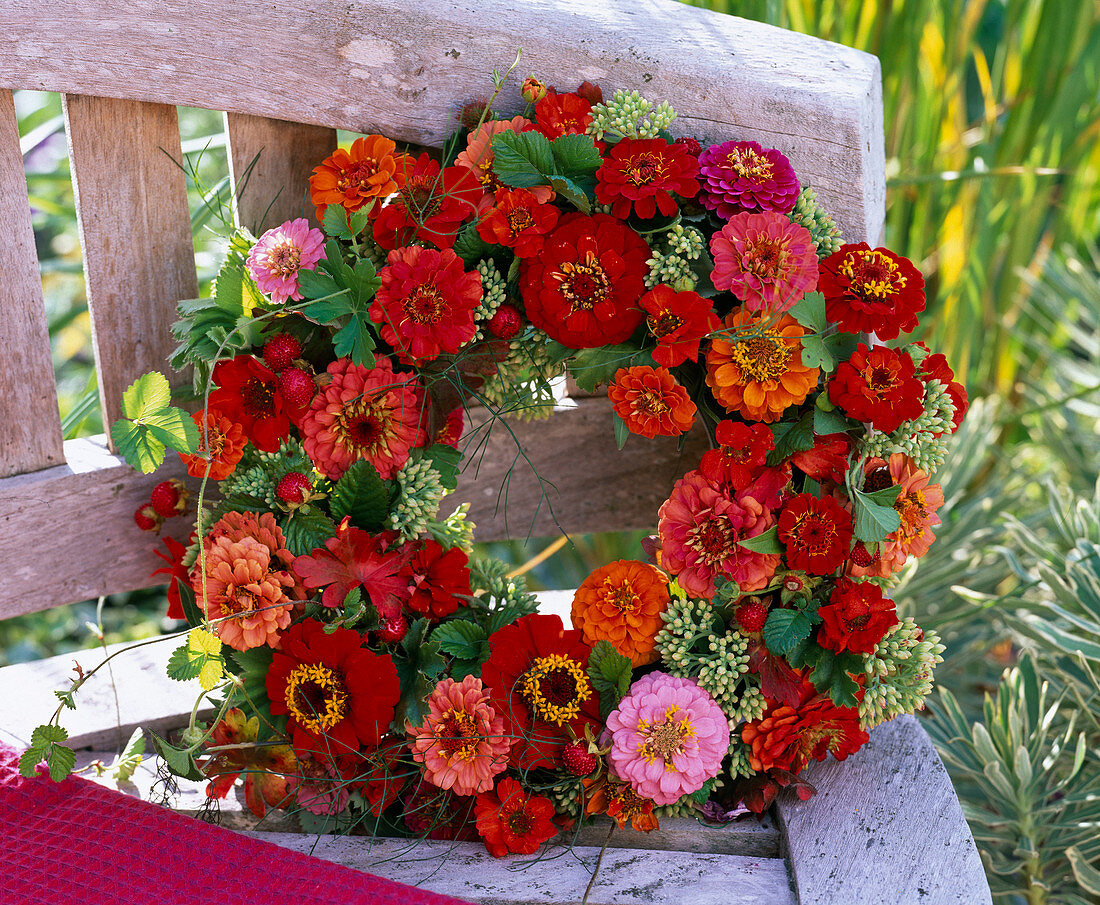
(993, 160)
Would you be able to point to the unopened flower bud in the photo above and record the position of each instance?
(532, 90)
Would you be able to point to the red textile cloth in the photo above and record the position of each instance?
(79, 842)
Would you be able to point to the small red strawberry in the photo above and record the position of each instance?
(578, 760)
(506, 323)
(393, 629)
(169, 498)
(281, 350)
(861, 556)
(293, 488)
(146, 519)
(751, 616)
(297, 387)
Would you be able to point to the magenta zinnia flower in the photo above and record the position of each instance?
(742, 176)
(668, 737)
(280, 253)
(700, 527)
(765, 260)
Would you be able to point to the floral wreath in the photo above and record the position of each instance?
(367, 671)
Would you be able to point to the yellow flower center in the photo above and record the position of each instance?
(644, 169)
(284, 259)
(623, 597)
(763, 357)
(554, 688)
(650, 403)
(458, 735)
(315, 696)
(584, 285)
(913, 511)
(665, 739)
(872, 274)
(664, 323)
(748, 164)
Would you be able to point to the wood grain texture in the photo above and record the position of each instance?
(404, 70)
(626, 876)
(135, 233)
(885, 826)
(68, 533)
(270, 161)
(566, 474)
(31, 438)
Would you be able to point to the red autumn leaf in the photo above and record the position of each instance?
(270, 770)
(779, 681)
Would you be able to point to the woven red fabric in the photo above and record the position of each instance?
(78, 842)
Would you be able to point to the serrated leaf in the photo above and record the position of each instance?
(831, 676)
(575, 156)
(61, 761)
(146, 396)
(46, 746)
(791, 437)
(206, 647)
(362, 496)
(28, 763)
(335, 222)
(765, 542)
(785, 629)
(252, 667)
(306, 531)
(832, 422)
(591, 367)
(330, 300)
(359, 219)
(42, 736)
(809, 311)
(470, 246)
(130, 759)
(815, 353)
(522, 159)
(576, 193)
(418, 671)
(137, 446)
(461, 639)
(181, 666)
(180, 761)
(874, 518)
(610, 673)
(175, 429)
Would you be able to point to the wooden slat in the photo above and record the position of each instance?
(403, 69)
(31, 437)
(67, 533)
(270, 161)
(885, 826)
(588, 484)
(135, 232)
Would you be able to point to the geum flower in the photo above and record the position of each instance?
(743, 176)
(640, 176)
(338, 696)
(871, 291)
(430, 206)
(816, 533)
(765, 260)
(679, 321)
(353, 177)
(620, 802)
(651, 402)
(461, 742)
(439, 579)
(270, 771)
(518, 220)
(248, 394)
(225, 441)
(355, 559)
(856, 617)
(742, 452)
(280, 253)
(562, 114)
(511, 819)
(878, 385)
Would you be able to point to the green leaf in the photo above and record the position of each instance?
(765, 542)
(151, 424)
(875, 516)
(462, 639)
(252, 668)
(355, 341)
(130, 759)
(575, 156)
(61, 761)
(784, 630)
(307, 529)
(335, 223)
(175, 429)
(182, 666)
(46, 746)
(610, 672)
(815, 354)
(591, 367)
(831, 422)
(150, 394)
(359, 219)
(791, 437)
(137, 446)
(445, 460)
(831, 676)
(809, 311)
(1087, 876)
(418, 671)
(622, 431)
(470, 246)
(522, 159)
(361, 495)
(330, 299)
(577, 194)
(180, 761)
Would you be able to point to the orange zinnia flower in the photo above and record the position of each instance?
(651, 402)
(622, 603)
(224, 438)
(353, 177)
(756, 368)
(620, 802)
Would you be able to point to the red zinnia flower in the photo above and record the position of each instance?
(511, 819)
(935, 367)
(878, 386)
(871, 291)
(741, 453)
(438, 579)
(537, 678)
(856, 617)
(583, 289)
(640, 175)
(816, 532)
(248, 394)
(679, 321)
(337, 695)
(519, 221)
(562, 114)
(430, 205)
(765, 260)
(651, 402)
(425, 305)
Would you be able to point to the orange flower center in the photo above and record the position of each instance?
(623, 597)
(664, 323)
(258, 397)
(358, 176)
(554, 688)
(763, 357)
(665, 739)
(765, 257)
(747, 164)
(630, 803)
(712, 540)
(872, 274)
(363, 424)
(315, 696)
(913, 511)
(458, 734)
(645, 169)
(284, 259)
(650, 402)
(425, 304)
(583, 285)
(520, 823)
(519, 220)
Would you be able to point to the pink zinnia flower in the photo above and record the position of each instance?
(364, 413)
(461, 742)
(700, 527)
(668, 737)
(280, 253)
(765, 260)
(742, 176)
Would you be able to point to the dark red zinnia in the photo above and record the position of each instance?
(679, 321)
(337, 695)
(640, 175)
(583, 289)
(519, 221)
(741, 453)
(440, 579)
(871, 291)
(248, 394)
(430, 205)
(878, 386)
(816, 532)
(856, 617)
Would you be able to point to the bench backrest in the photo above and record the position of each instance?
(287, 76)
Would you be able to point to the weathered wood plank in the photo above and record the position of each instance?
(270, 161)
(625, 877)
(885, 826)
(135, 233)
(68, 533)
(375, 66)
(31, 438)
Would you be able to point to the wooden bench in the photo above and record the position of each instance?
(885, 826)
